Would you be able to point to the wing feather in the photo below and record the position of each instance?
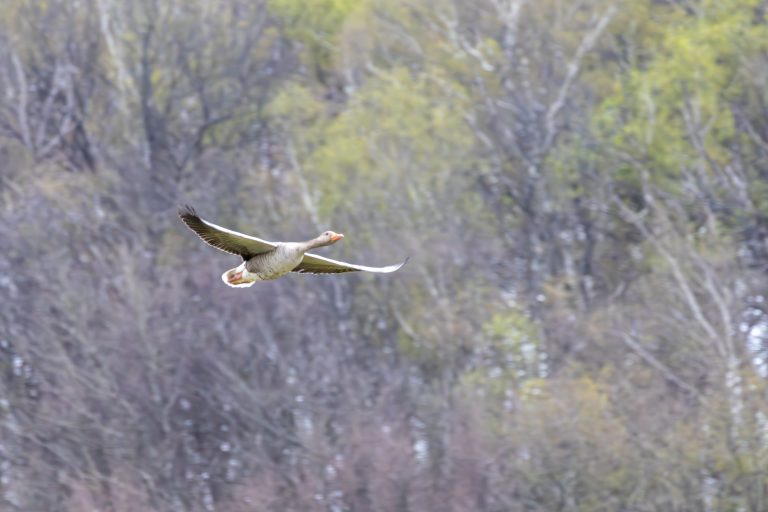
(314, 264)
(222, 238)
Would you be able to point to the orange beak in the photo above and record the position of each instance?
(336, 237)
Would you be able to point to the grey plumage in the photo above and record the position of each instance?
(263, 260)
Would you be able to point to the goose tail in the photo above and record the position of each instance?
(235, 278)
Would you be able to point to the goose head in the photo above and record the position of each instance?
(327, 238)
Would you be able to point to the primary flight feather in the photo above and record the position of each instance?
(264, 260)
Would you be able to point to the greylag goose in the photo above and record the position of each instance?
(264, 260)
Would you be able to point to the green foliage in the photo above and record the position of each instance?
(510, 367)
(317, 25)
(320, 20)
(396, 133)
(675, 110)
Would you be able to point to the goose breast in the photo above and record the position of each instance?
(273, 264)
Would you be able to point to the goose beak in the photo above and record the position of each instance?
(336, 237)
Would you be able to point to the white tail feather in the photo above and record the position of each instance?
(225, 278)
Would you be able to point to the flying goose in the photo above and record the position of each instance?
(264, 260)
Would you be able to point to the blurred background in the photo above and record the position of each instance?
(582, 187)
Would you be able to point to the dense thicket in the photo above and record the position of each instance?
(582, 187)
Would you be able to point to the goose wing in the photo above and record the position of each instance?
(314, 264)
(224, 239)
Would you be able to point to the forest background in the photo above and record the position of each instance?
(582, 186)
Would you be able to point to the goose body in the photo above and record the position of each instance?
(264, 260)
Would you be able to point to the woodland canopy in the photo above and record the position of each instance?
(582, 186)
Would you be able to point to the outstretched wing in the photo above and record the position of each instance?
(222, 238)
(314, 264)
